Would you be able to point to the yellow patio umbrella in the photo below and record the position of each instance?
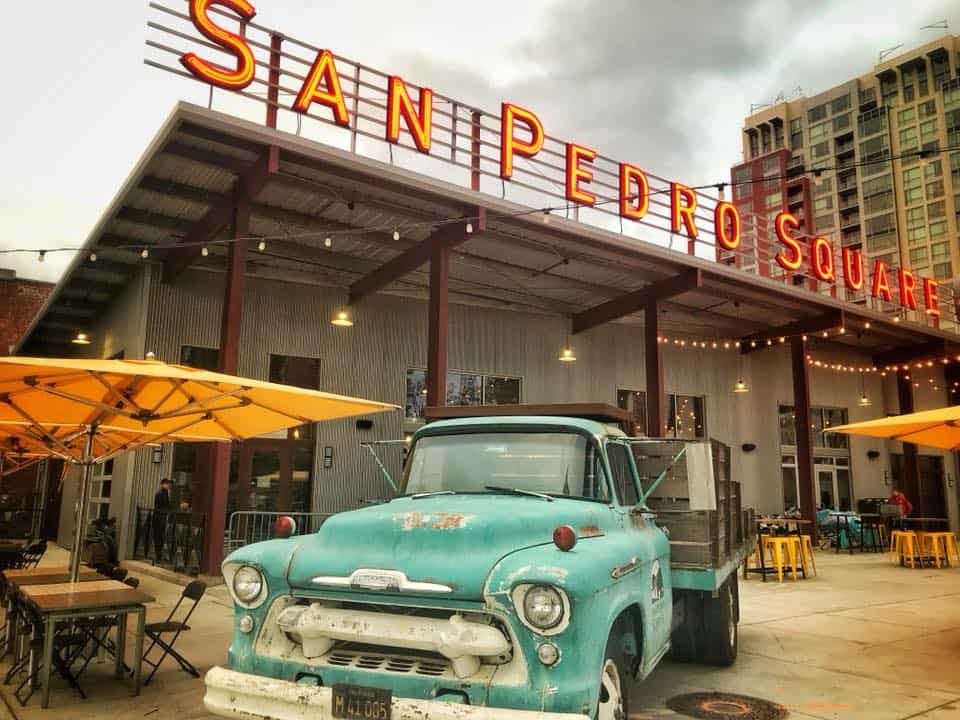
(88, 411)
(937, 428)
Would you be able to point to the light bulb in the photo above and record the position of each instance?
(469, 228)
(396, 234)
(262, 245)
(145, 253)
(546, 217)
(327, 242)
(41, 255)
(205, 251)
(740, 387)
(567, 355)
(93, 257)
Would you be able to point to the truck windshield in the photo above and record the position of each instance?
(553, 463)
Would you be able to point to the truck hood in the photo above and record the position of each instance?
(442, 540)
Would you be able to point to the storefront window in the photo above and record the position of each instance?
(634, 402)
(821, 420)
(301, 372)
(685, 417)
(183, 474)
(200, 357)
(462, 389)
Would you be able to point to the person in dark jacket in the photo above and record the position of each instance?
(161, 506)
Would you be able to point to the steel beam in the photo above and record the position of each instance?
(248, 184)
(437, 332)
(909, 481)
(827, 321)
(231, 318)
(447, 237)
(637, 300)
(804, 432)
(653, 360)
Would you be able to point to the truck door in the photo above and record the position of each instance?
(652, 582)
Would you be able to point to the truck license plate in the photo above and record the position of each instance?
(357, 702)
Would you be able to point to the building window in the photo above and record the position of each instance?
(918, 256)
(202, 358)
(841, 122)
(943, 271)
(622, 476)
(774, 200)
(839, 104)
(815, 114)
(936, 210)
(820, 149)
(685, 416)
(927, 109)
(771, 165)
(462, 389)
(100, 489)
(907, 115)
(634, 402)
(822, 419)
(301, 372)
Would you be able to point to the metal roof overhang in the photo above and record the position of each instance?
(563, 268)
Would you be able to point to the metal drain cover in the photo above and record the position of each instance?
(725, 706)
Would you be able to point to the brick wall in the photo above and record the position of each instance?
(19, 302)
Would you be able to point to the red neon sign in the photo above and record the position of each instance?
(631, 175)
(577, 174)
(324, 70)
(322, 85)
(726, 225)
(509, 145)
(208, 72)
(399, 103)
(783, 223)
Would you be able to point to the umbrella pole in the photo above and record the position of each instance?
(80, 531)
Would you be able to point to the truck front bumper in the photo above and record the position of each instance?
(240, 695)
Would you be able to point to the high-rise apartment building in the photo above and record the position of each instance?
(873, 164)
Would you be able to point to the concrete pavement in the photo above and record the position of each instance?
(864, 639)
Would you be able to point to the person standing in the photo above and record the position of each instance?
(161, 506)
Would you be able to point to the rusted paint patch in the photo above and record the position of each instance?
(432, 521)
(589, 531)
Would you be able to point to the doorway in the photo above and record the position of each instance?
(271, 476)
(833, 483)
(931, 500)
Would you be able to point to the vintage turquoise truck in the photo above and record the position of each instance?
(523, 570)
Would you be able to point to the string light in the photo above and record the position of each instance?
(328, 242)
(145, 253)
(93, 257)
(396, 234)
(205, 251)
(262, 245)
(469, 228)
(41, 255)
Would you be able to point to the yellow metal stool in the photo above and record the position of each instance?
(904, 546)
(807, 554)
(784, 548)
(941, 544)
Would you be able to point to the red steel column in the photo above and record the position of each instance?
(231, 318)
(653, 359)
(909, 483)
(273, 81)
(437, 334)
(801, 414)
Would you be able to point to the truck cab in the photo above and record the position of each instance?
(518, 572)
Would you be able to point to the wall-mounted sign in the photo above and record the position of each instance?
(333, 90)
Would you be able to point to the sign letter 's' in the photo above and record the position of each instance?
(234, 44)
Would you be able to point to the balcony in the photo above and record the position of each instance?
(844, 149)
(849, 202)
(846, 162)
(847, 184)
(849, 221)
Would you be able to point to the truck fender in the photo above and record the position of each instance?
(629, 623)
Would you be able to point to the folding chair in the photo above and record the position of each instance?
(32, 556)
(68, 645)
(193, 591)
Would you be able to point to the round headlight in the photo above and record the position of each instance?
(543, 607)
(247, 584)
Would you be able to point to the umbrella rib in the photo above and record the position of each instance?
(174, 386)
(95, 404)
(226, 428)
(301, 420)
(116, 393)
(35, 426)
(199, 406)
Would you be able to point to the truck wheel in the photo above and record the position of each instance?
(683, 640)
(614, 701)
(720, 635)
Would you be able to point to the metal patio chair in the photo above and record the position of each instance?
(191, 597)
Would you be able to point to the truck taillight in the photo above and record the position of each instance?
(564, 537)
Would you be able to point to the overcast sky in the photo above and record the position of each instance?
(663, 85)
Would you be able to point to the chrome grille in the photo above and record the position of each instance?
(388, 663)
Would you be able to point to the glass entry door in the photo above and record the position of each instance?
(271, 476)
(833, 486)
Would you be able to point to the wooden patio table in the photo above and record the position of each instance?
(57, 602)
